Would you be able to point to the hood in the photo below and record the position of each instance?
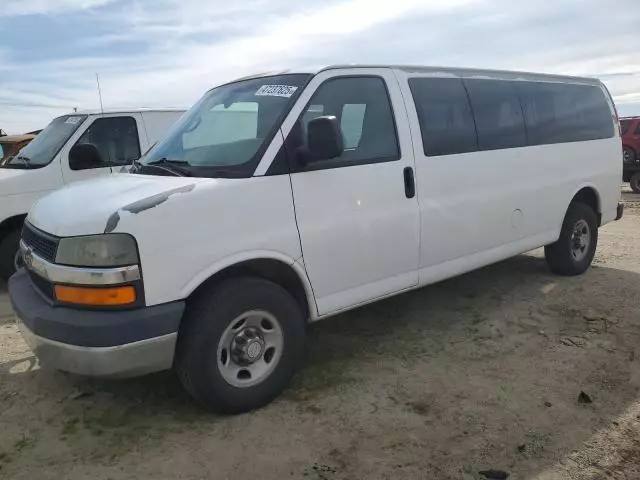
(94, 206)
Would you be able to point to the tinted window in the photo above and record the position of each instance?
(116, 139)
(557, 112)
(497, 114)
(363, 109)
(624, 126)
(638, 129)
(445, 116)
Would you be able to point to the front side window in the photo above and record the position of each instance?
(638, 129)
(445, 117)
(364, 113)
(47, 144)
(228, 130)
(625, 125)
(116, 139)
(497, 114)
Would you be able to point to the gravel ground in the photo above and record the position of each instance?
(508, 368)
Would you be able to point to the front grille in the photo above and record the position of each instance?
(44, 245)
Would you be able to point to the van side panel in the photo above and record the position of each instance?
(484, 206)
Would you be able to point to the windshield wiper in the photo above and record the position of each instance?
(26, 161)
(179, 168)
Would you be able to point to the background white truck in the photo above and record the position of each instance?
(49, 163)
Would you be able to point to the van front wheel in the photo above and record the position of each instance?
(240, 344)
(573, 253)
(9, 246)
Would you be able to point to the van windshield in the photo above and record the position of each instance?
(227, 131)
(47, 144)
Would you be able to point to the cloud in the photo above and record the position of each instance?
(13, 8)
(169, 52)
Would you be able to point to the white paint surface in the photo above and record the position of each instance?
(353, 236)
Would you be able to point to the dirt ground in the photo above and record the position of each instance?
(480, 372)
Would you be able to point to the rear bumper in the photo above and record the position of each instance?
(620, 211)
(101, 343)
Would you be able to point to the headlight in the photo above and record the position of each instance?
(108, 250)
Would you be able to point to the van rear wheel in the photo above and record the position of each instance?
(240, 344)
(635, 182)
(573, 253)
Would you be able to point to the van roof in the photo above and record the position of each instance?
(447, 72)
(97, 111)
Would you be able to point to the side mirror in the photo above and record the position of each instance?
(324, 139)
(83, 156)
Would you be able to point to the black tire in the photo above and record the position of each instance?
(634, 181)
(559, 255)
(207, 318)
(628, 154)
(9, 245)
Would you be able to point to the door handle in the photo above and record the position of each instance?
(409, 183)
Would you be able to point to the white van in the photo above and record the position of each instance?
(285, 199)
(51, 160)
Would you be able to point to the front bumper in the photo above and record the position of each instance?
(99, 343)
(620, 211)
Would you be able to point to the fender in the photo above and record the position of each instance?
(568, 201)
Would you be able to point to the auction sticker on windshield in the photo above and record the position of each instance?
(276, 91)
(73, 120)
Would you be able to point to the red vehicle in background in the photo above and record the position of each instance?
(630, 127)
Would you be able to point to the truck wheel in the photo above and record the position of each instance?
(635, 182)
(239, 344)
(573, 253)
(628, 154)
(9, 245)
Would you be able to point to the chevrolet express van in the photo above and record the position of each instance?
(51, 161)
(285, 199)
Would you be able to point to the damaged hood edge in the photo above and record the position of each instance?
(96, 206)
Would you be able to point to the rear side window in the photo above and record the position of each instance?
(624, 126)
(497, 113)
(559, 113)
(445, 117)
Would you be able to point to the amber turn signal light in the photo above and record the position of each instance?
(96, 296)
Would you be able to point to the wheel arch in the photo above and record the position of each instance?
(273, 266)
(589, 195)
(10, 224)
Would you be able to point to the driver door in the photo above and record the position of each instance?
(357, 214)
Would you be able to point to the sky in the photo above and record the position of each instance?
(167, 53)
